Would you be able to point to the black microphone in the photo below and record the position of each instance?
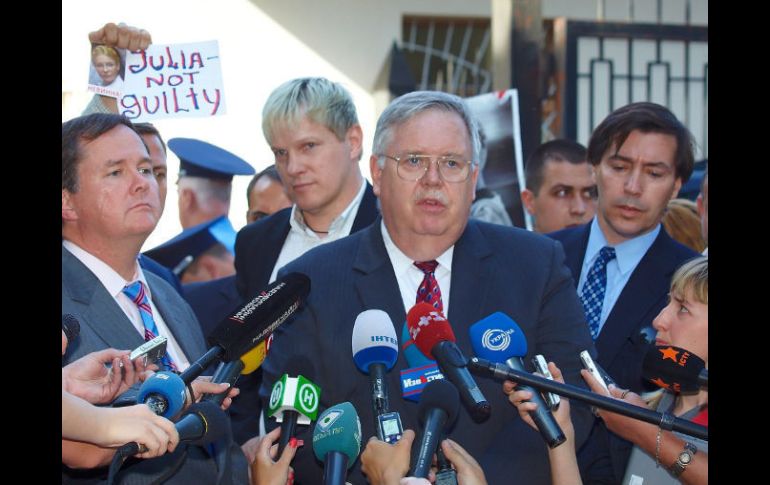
(70, 325)
(675, 369)
(500, 339)
(252, 323)
(438, 410)
(202, 423)
(433, 335)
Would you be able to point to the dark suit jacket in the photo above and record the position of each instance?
(212, 301)
(494, 268)
(621, 345)
(259, 244)
(103, 324)
(149, 264)
(257, 248)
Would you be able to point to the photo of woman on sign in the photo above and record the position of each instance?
(107, 68)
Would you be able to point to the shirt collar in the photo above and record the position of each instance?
(401, 262)
(297, 221)
(112, 281)
(628, 253)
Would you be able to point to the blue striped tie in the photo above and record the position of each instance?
(594, 289)
(138, 295)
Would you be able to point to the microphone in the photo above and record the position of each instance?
(70, 325)
(203, 423)
(375, 351)
(294, 400)
(675, 369)
(438, 410)
(433, 335)
(230, 371)
(163, 392)
(499, 339)
(252, 323)
(337, 441)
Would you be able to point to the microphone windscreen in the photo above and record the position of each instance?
(215, 422)
(254, 358)
(70, 325)
(169, 386)
(338, 429)
(497, 338)
(374, 340)
(440, 394)
(413, 356)
(259, 317)
(672, 368)
(427, 327)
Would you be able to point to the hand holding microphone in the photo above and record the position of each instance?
(499, 339)
(521, 397)
(294, 400)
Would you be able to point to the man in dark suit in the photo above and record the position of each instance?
(424, 174)
(641, 156)
(312, 127)
(110, 204)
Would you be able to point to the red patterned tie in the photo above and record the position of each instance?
(429, 291)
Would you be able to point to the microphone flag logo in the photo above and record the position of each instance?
(496, 339)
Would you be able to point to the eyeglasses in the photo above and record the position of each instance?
(414, 167)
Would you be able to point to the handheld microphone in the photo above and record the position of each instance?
(163, 392)
(230, 371)
(252, 323)
(203, 423)
(675, 369)
(70, 325)
(337, 441)
(375, 351)
(294, 400)
(438, 410)
(433, 335)
(499, 339)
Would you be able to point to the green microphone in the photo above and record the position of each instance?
(337, 441)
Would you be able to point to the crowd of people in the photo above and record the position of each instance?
(615, 265)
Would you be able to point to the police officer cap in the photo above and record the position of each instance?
(179, 252)
(200, 159)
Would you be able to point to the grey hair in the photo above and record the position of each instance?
(323, 101)
(405, 107)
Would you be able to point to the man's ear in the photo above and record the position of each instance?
(528, 200)
(68, 212)
(376, 171)
(355, 137)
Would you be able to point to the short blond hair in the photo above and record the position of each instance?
(693, 275)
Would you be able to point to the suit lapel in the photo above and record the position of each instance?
(367, 210)
(102, 314)
(639, 297)
(187, 339)
(575, 244)
(375, 281)
(271, 245)
(471, 277)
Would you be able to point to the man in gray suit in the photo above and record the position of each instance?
(424, 171)
(110, 204)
